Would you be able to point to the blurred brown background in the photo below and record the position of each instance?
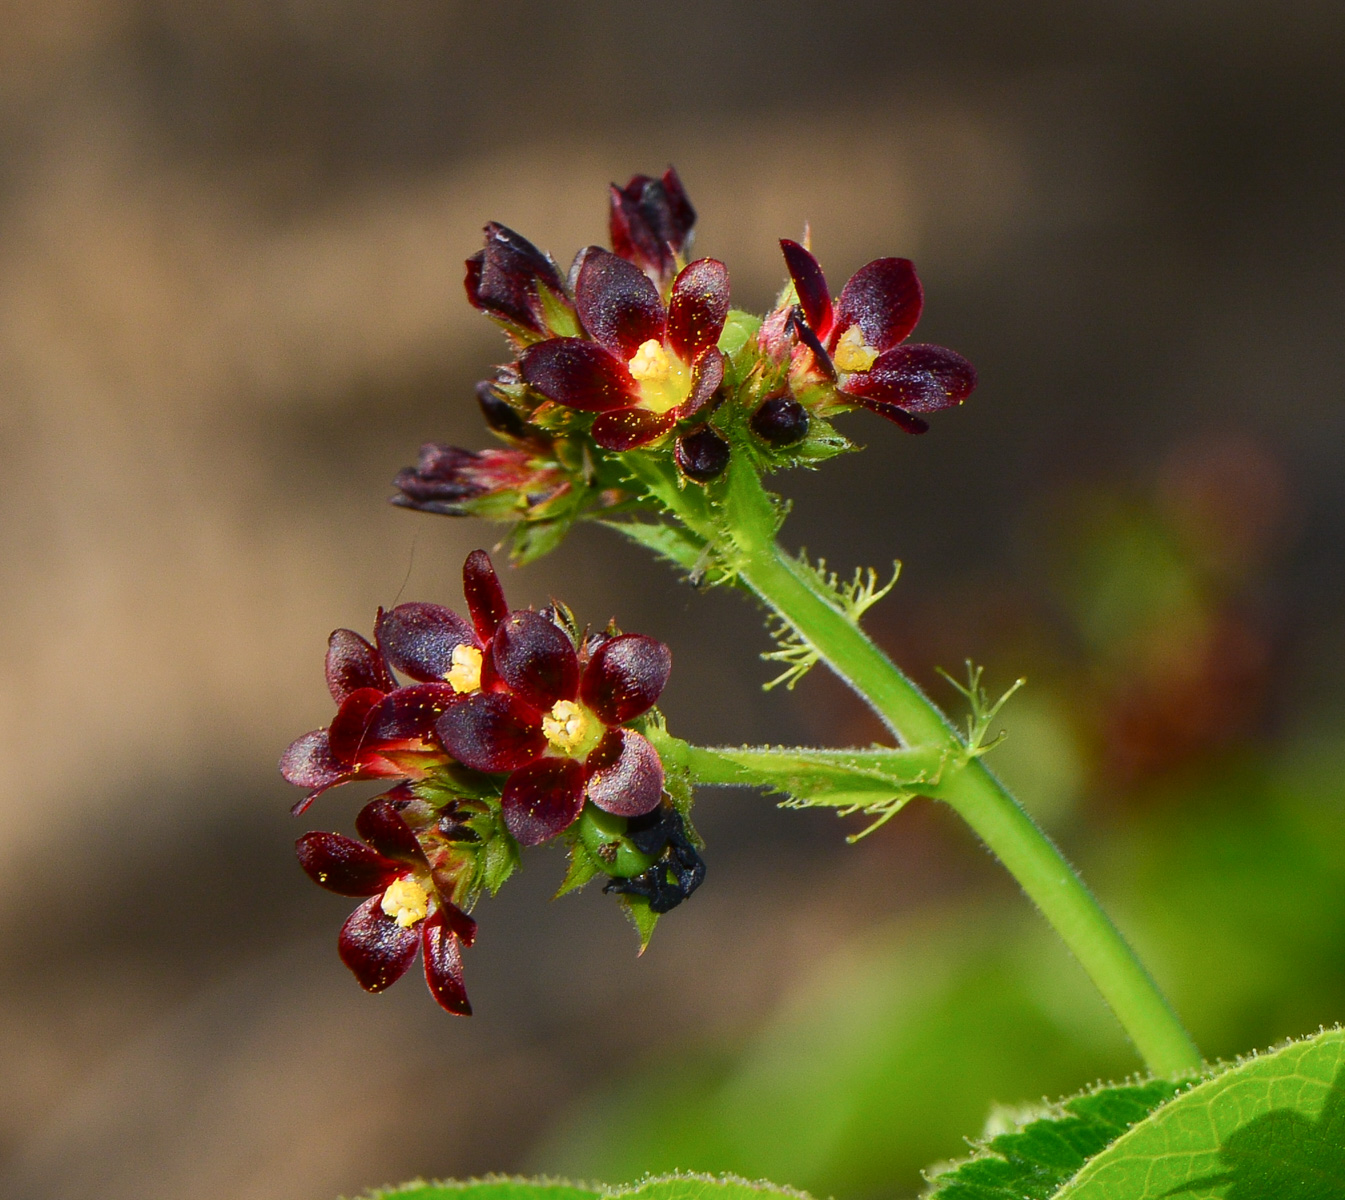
(231, 237)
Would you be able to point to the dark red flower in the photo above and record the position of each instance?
(380, 731)
(647, 366)
(552, 718)
(406, 909)
(857, 340)
(514, 282)
(651, 224)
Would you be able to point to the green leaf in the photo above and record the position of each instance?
(493, 1188)
(704, 1187)
(666, 1187)
(1035, 1160)
(1270, 1128)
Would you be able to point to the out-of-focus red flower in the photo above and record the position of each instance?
(652, 223)
(406, 910)
(380, 731)
(448, 478)
(857, 341)
(646, 367)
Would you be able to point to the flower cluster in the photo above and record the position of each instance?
(636, 350)
(513, 728)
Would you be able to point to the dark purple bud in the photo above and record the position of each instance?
(701, 454)
(652, 222)
(503, 279)
(780, 421)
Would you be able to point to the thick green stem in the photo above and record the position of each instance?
(996, 817)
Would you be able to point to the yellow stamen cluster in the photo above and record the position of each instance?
(650, 363)
(406, 901)
(465, 673)
(566, 726)
(852, 352)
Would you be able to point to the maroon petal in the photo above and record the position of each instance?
(352, 663)
(344, 866)
(811, 286)
(625, 677)
(308, 762)
(697, 308)
(492, 731)
(898, 416)
(375, 947)
(348, 733)
(419, 639)
(381, 825)
(443, 967)
(917, 378)
(706, 376)
(578, 374)
(627, 428)
(485, 597)
(543, 799)
(884, 299)
(458, 922)
(409, 714)
(618, 304)
(625, 775)
(535, 659)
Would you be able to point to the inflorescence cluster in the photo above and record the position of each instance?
(511, 728)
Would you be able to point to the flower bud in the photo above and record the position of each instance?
(651, 224)
(780, 421)
(702, 454)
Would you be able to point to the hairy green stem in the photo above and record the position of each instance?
(794, 593)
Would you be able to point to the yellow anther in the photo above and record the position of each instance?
(406, 901)
(566, 726)
(465, 673)
(852, 352)
(650, 363)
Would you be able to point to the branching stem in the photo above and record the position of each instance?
(744, 538)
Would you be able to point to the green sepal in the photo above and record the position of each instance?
(584, 865)
(740, 331)
(499, 857)
(558, 314)
(641, 916)
(530, 540)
